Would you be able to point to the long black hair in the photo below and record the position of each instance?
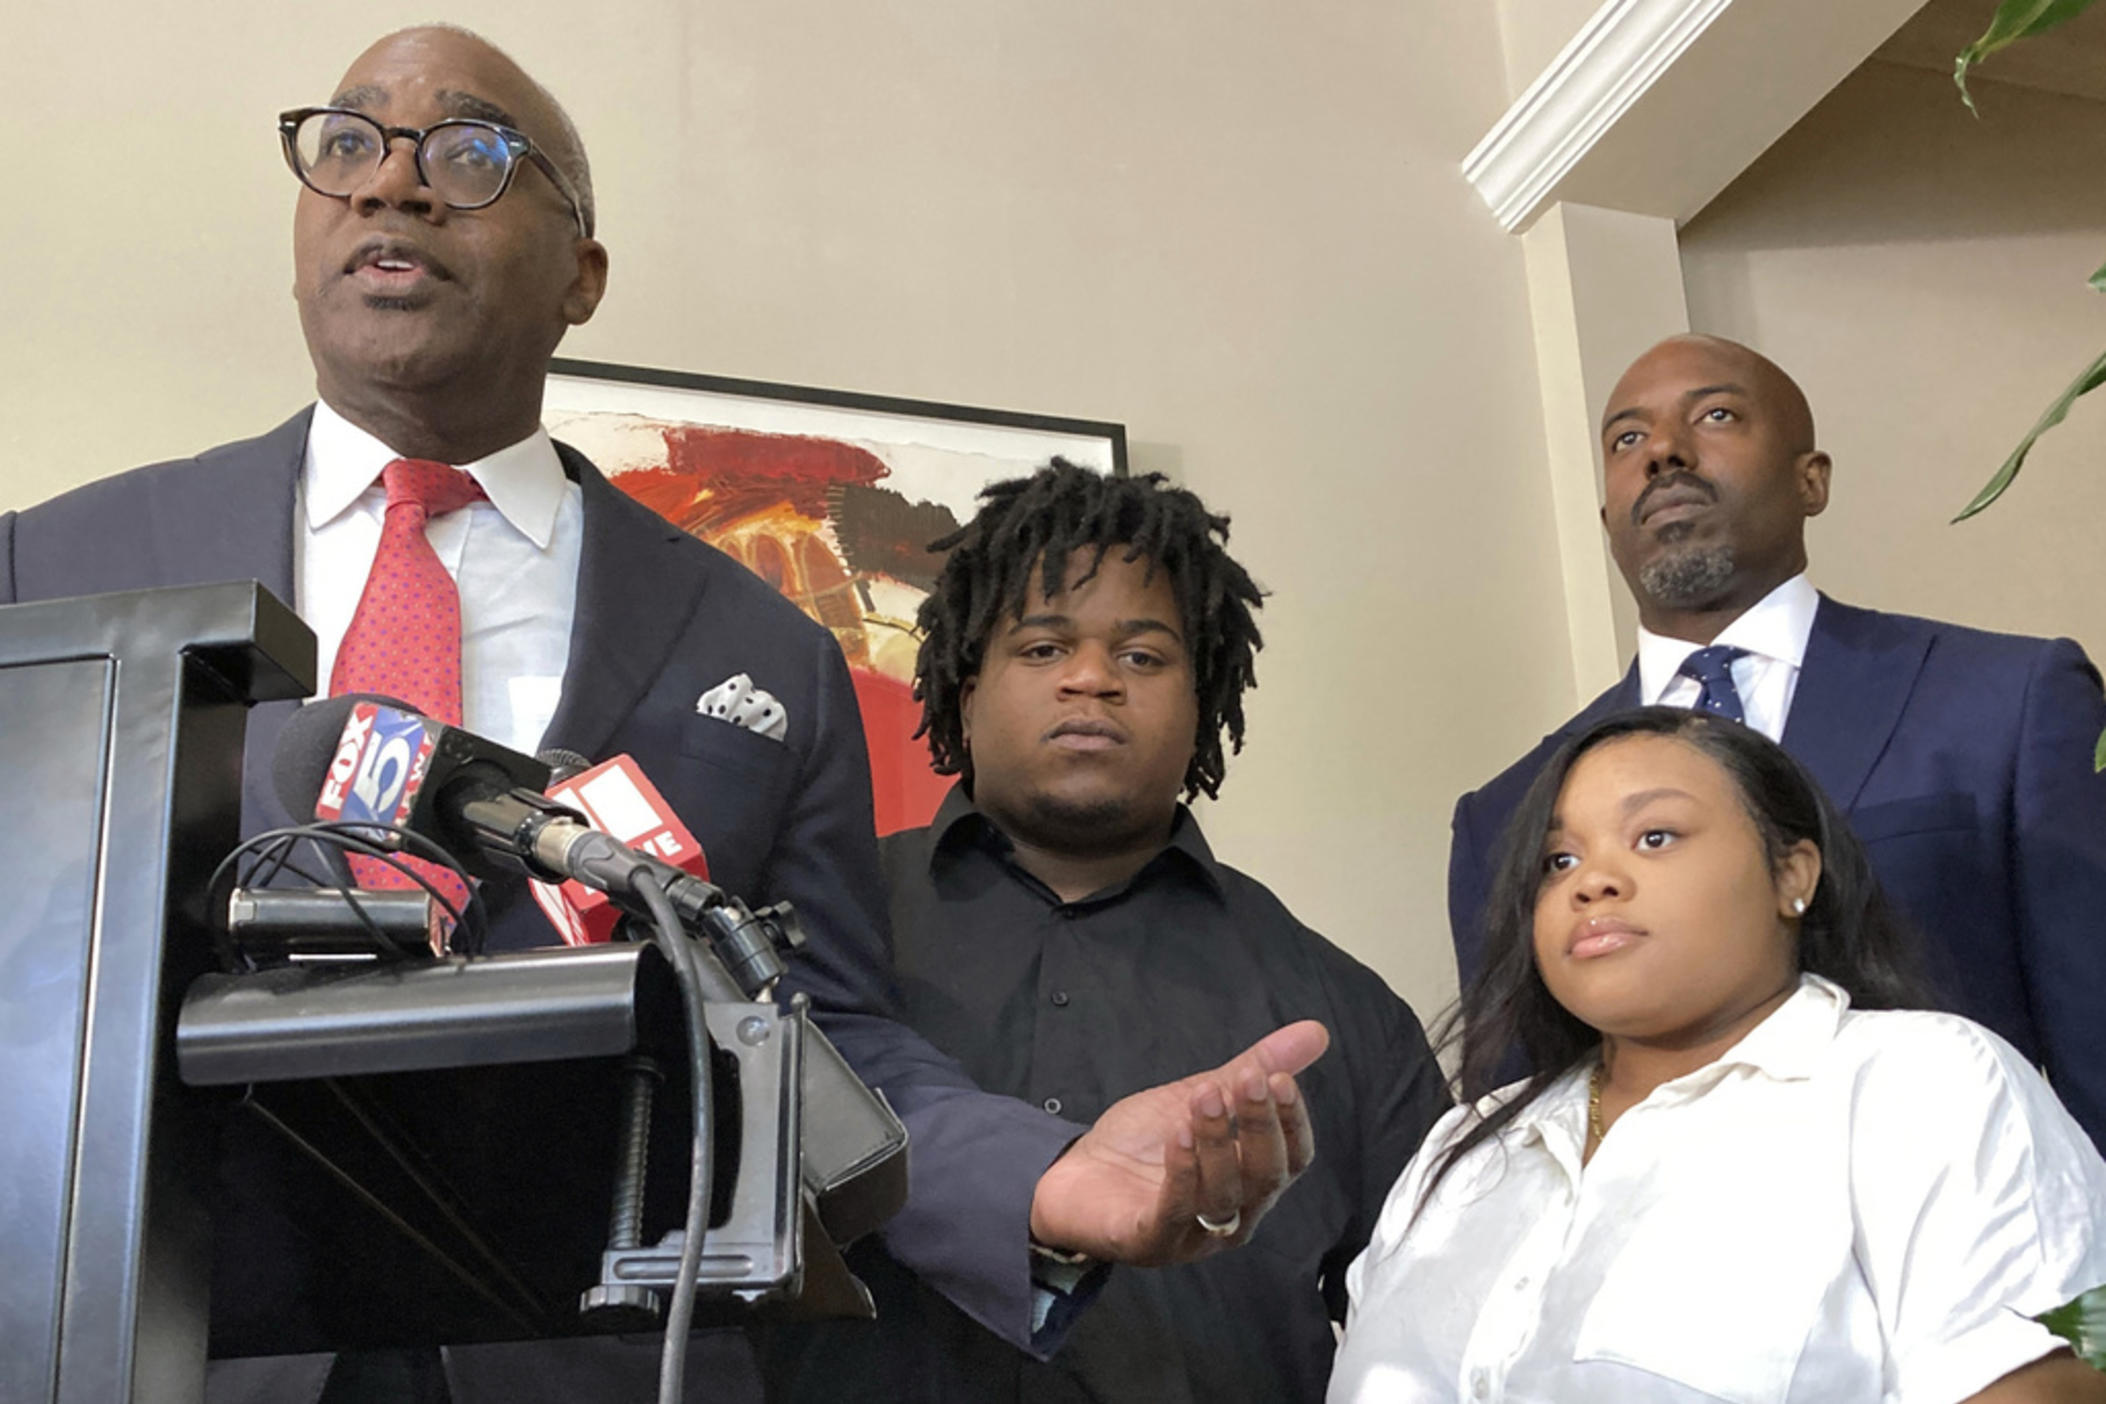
(1848, 933)
(1026, 531)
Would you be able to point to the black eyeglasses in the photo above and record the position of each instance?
(467, 163)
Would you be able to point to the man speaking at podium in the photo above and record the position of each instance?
(437, 540)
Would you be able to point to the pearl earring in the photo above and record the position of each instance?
(1798, 906)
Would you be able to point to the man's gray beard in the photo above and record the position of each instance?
(1688, 579)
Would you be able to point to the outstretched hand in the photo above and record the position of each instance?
(1223, 1143)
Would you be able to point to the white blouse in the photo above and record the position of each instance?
(1848, 1205)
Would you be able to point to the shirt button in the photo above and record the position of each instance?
(1060, 999)
(1521, 1284)
(1479, 1385)
(1053, 1105)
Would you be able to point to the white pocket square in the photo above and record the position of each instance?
(738, 701)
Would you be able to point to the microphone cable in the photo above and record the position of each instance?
(672, 940)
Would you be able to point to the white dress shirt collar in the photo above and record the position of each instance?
(1784, 1047)
(1776, 626)
(524, 481)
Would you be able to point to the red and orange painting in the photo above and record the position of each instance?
(833, 504)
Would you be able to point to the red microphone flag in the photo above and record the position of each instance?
(621, 803)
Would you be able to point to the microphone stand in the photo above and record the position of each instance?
(798, 1189)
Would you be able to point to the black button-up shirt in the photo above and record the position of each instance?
(1073, 1005)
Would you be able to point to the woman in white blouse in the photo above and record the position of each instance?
(1754, 1168)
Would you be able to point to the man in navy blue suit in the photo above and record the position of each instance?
(1963, 758)
(443, 245)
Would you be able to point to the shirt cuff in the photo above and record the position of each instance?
(1062, 1288)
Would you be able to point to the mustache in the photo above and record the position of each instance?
(1680, 478)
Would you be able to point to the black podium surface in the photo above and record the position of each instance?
(308, 1158)
(121, 725)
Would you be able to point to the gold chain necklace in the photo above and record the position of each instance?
(1594, 1126)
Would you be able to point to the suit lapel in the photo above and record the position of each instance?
(639, 582)
(1860, 668)
(1620, 698)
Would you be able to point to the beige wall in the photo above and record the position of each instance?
(1922, 275)
(1533, 32)
(1237, 227)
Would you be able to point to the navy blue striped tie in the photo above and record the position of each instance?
(1713, 670)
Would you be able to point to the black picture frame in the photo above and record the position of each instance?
(1060, 432)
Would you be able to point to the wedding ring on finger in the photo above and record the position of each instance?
(1221, 1228)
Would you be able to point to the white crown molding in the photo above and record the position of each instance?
(1619, 54)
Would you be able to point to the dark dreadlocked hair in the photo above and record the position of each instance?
(1038, 523)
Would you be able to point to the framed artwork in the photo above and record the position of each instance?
(829, 496)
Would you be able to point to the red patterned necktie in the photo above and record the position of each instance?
(405, 637)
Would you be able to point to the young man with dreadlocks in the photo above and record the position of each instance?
(1063, 930)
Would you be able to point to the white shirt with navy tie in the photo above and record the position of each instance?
(1774, 632)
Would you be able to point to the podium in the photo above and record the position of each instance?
(195, 1161)
(121, 727)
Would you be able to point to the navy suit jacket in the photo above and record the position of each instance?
(661, 618)
(1964, 761)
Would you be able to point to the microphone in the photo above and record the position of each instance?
(623, 802)
(619, 801)
(328, 923)
(375, 762)
(562, 764)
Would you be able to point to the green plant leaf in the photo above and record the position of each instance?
(2083, 1324)
(2014, 20)
(2098, 279)
(2094, 375)
(2098, 754)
